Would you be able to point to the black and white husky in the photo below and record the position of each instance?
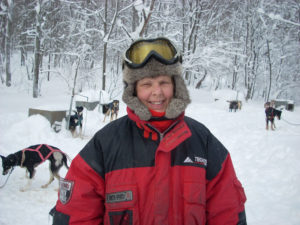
(33, 156)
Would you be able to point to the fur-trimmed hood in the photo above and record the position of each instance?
(152, 69)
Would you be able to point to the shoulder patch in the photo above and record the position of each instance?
(65, 190)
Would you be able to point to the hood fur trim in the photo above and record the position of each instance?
(154, 68)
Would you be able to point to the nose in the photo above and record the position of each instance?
(157, 90)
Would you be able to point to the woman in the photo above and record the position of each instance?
(154, 165)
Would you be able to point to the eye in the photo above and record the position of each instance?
(145, 84)
(164, 82)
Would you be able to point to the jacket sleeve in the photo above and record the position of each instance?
(81, 194)
(225, 194)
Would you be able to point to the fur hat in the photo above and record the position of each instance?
(154, 68)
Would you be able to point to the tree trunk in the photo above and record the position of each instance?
(23, 50)
(49, 66)
(104, 49)
(73, 94)
(147, 19)
(23, 56)
(8, 51)
(104, 66)
(37, 49)
(1, 69)
(106, 39)
(200, 81)
(183, 36)
(234, 75)
(36, 67)
(134, 18)
(246, 50)
(270, 70)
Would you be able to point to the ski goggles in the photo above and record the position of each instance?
(141, 51)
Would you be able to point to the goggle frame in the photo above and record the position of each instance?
(153, 54)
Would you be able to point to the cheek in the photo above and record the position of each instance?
(143, 94)
(168, 93)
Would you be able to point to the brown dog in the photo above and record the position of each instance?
(271, 113)
(112, 110)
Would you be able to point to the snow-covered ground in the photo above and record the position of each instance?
(266, 162)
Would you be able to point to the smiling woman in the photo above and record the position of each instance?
(155, 162)
(155, 92)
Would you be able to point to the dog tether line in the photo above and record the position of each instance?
(294, 124)
(1, 186)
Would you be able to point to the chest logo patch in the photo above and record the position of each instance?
(196, 160)
(116, 197)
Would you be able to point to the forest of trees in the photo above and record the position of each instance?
(251, 46)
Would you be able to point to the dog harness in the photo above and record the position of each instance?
(270, 114)
(52, 150)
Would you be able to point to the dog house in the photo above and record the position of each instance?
(290, 107)
(283, 104)
(88, 105)
(55, 117)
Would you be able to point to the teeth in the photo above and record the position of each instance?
(156, 103)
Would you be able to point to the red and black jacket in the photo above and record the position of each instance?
(129, 173)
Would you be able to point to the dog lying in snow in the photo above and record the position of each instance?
(33, 156)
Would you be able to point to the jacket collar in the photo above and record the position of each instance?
(148, 127)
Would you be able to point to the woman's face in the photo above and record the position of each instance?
(155, 92)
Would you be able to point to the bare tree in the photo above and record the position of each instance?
(8, 38)
(37, 51)
(107, 34)
(270, 70)
(223, 42)
(146, 18)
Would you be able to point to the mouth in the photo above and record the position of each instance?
(157, 105)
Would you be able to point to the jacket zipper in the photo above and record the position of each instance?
(161, 135)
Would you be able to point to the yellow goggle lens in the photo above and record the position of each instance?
(139, 51)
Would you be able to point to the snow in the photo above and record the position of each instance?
(266, 162)
(228, 95)
(277, 17)
(138, 5)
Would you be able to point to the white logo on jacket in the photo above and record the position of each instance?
(197, 160)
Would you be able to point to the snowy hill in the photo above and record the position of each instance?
(266, 162)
